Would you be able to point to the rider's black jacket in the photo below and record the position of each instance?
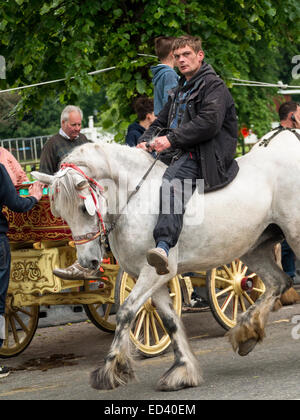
(10, 198)
(207, 126)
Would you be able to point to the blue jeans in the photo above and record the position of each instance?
(288, 259)
(4, 270)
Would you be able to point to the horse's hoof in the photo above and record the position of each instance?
(100, 380)
(169, 388)
(246, 347)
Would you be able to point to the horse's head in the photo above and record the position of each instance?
(79, 201)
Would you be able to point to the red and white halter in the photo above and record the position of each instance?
(83, 239)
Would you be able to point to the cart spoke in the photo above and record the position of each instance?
(224, 279)
(248, 298)
(154, 329)
(160, 321)
(242, 303)
(224, 291)
(14, 330)
(227, 301)
(245, 271)
(107, 311)
(139, 324)
(146, 330)
(228, 271)
(256, 289)
(235, 307)
(21, 323)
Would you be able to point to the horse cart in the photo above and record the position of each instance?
(41, 242)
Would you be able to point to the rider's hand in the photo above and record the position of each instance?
(36, 190)
(161, 143)
(142, 146)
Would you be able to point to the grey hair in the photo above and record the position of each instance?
(68, 109)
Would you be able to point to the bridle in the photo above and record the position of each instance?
(103, 232)
(94, 188)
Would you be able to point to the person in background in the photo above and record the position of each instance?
(14, 169)
(145, 113)
(64, 142)
(289, 115)
(10, 198)
(165, 77)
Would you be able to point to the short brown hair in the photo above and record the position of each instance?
(193, 42)
(143, 106)
(286, 108)
(163, 46)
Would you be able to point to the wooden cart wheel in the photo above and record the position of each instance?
(21, 324)
(103, 316)
(147, 332)
(231, 289)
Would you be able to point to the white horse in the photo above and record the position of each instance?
(243, 220)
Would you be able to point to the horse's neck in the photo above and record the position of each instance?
(124, 162)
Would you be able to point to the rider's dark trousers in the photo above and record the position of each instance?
(178, 185)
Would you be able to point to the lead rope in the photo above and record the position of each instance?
(113, 224)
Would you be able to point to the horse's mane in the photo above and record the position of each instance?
(87, 152)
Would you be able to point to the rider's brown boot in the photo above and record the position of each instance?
(158, 258)
(77, 272)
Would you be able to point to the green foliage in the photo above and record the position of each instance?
(45, 40)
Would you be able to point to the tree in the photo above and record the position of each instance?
(45, 40)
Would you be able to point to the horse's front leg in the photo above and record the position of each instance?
(117, 369)
(251, 327)
(185, 371)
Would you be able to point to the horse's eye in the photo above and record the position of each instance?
(83, 209)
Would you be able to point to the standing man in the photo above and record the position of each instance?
(64, 142)
(10, 198)
(202, 136)
(55, 149)
(165, 77)
(289, 115)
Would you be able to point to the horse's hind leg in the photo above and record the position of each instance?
(185, 371)
(251, 327)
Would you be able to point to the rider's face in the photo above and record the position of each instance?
(188, 61)
(72, 126)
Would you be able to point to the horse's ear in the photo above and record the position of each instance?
(44, 178)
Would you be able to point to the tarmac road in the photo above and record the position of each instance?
(57, 364)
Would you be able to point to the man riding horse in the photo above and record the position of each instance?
(200, 143)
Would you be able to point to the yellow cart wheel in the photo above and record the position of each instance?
(231, 289)
(103, 316)
(21, 324)
(148, 333)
